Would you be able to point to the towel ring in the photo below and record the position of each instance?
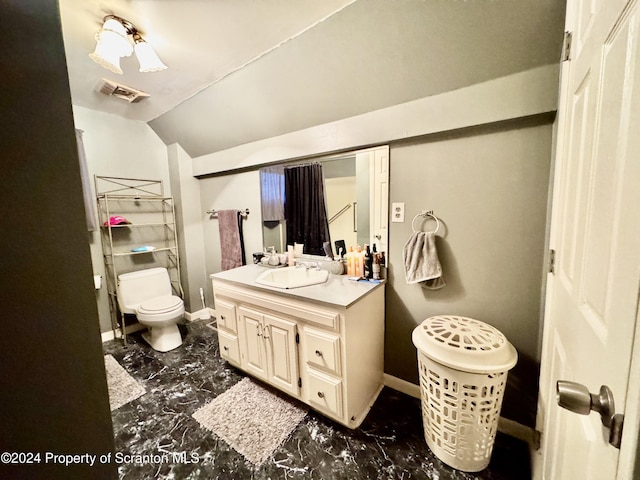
(425, 214)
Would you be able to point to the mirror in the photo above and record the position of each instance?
(356, 186)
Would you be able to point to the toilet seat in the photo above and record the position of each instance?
(160, 305)
(160, 311)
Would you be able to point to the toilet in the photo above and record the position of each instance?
(147, 294)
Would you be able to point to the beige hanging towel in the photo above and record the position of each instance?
(421, 263)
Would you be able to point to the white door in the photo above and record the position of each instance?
(592, 298)
(379, 213)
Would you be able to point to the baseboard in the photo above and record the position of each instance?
(402, 386)
(112, 334)
(505, 425)
(203, 314)
(519, 431)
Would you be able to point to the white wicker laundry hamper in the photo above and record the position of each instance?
(463, 365)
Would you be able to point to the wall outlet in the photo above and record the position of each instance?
(397, 212)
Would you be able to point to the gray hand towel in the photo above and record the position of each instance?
(421, 263)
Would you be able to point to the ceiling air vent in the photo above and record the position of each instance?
(123, 92)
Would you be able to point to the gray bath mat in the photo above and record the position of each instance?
(122, 387)
(250, 418)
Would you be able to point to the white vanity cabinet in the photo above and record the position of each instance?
(328, 355)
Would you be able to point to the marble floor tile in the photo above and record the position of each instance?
(156, 436)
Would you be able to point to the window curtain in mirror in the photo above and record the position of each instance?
(89, 202)
(272, 193)
(305, 207)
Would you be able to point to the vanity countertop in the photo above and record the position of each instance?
(338, 290)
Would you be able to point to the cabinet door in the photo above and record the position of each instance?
(252, 348)
(324, 392)
(229, 347)
(226, 315)
(280, 339)
(322, 350)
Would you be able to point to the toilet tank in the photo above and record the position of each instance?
(140, 286)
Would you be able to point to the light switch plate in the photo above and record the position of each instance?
(397, 212)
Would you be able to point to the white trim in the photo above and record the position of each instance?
(113, 334)
(402, 386)
(629, 450)
(202, 314)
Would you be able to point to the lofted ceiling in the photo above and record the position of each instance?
(245, 70)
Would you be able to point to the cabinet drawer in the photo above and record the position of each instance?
(226, 315)
(322, 350)
(324, 392)
(229, 347)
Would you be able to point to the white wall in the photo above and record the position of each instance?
(118, 147)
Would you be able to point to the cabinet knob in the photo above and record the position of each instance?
(221, 317)
(321, 394)
(225, 348)
(318, 353)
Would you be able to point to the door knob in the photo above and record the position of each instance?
(575, 397)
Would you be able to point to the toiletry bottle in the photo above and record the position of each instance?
(350, 262)
(376, 266)
(359, 262)
(367, 262)
(375, 256)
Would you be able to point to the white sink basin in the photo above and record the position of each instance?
(292, 277)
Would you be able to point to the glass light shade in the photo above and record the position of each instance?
(147, 57)
(106, 55)
(112, 44)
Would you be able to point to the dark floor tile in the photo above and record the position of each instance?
(158, 438)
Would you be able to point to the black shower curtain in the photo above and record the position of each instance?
(304, 207)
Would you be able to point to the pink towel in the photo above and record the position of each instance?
(231, 247)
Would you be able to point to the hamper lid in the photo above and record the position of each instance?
(464, 344)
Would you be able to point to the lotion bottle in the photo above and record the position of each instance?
(359, 262)
(350, 262)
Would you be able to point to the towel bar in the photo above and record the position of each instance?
(214, 213)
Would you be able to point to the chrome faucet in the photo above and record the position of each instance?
(307, 265)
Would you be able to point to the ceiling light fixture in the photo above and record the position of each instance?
(112, 43)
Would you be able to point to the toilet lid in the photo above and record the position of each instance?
(160, 304)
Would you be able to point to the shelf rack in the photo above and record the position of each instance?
(152, 222)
